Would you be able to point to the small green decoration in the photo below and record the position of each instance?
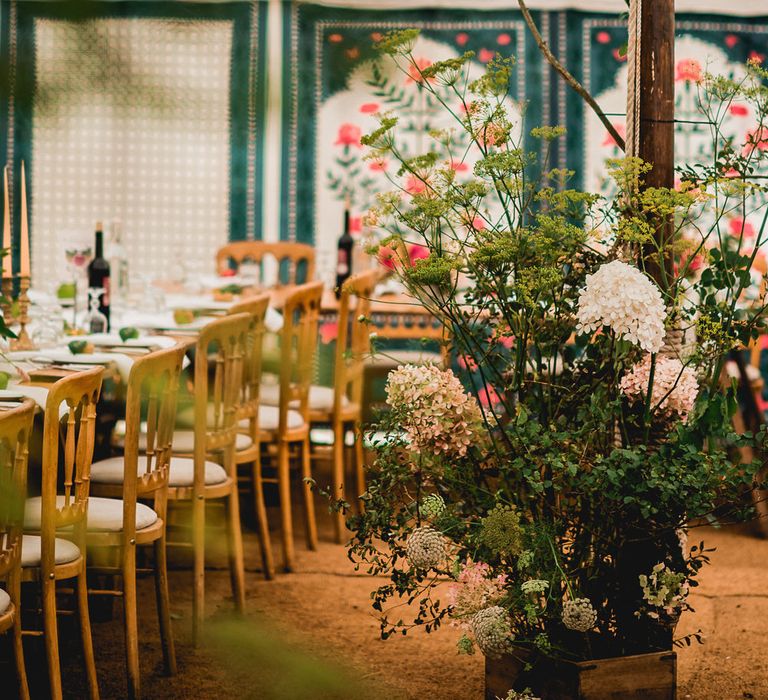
(66, 290)
(77, 347)
(128, 333)
(4, 377)
(183, 316)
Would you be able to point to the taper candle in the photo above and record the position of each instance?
(7, 259)
(24, 265)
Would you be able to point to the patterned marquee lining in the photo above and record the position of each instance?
(172, 147)
(327, 52)
(348, 84)
(329, 48)
(151, 152)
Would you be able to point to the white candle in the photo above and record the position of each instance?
(7, 259)
(24, 266)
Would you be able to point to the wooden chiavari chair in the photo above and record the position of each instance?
(15, 429)
(142, 474)
(248, 419)
(45, 557)
(298, 347)
(211, 446)
(340, 406)
(295, 261)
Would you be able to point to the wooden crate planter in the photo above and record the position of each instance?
(642, 677)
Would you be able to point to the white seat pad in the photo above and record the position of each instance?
(104, 514)
(269, 417)
(184, 441)
(110, 471)
(5, 601)
(320, 397)
(31, 551)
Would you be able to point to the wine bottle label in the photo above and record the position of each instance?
(105, 296)
(342, 266)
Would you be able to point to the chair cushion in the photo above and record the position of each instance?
(184, 441)
(320, 397)
(110, 471)
(395, 358)
(183, 472)
(32, 552)
(105, 514)
(5, 601)
(269, 416)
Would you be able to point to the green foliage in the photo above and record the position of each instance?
(573, 483)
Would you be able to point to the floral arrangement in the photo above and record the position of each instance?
(539, 496)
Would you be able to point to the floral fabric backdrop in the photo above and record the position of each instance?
(336, 83)
(333, 85)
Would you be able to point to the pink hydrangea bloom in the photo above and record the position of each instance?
(674, 385)
(438, 416)
(475, 589)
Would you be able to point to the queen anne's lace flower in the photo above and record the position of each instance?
(674, 385)
(627, 301)
(492, 631)
(501, 532)
(425, 548)
(579, 615)
(526, 694)
(534, 586)
(432, 507)
(438, 416)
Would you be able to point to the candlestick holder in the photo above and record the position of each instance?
(23, 341)
(6, 303)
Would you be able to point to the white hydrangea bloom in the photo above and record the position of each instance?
(621, 297)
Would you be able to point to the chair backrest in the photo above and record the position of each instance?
(298, 347)
(295, 261)
(70, 414)
(217, 397)
(153, 388)
(353, 342)
(256, 307)
(15, 428)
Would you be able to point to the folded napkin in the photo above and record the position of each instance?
(114, 340)
(39, 394)
(60, 356)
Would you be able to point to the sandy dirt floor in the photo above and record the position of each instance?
(311, 634)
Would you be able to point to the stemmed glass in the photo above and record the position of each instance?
(78, 253)
(95, 321)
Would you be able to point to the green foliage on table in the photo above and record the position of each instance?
(571, 484)
(128, 333)
(66, 290)
(183, 316)
(231, 289)
(77, 347)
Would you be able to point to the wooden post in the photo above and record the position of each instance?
(651, 101)
(650, 136)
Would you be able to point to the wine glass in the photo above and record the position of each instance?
(95, 321)
(78, 252)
